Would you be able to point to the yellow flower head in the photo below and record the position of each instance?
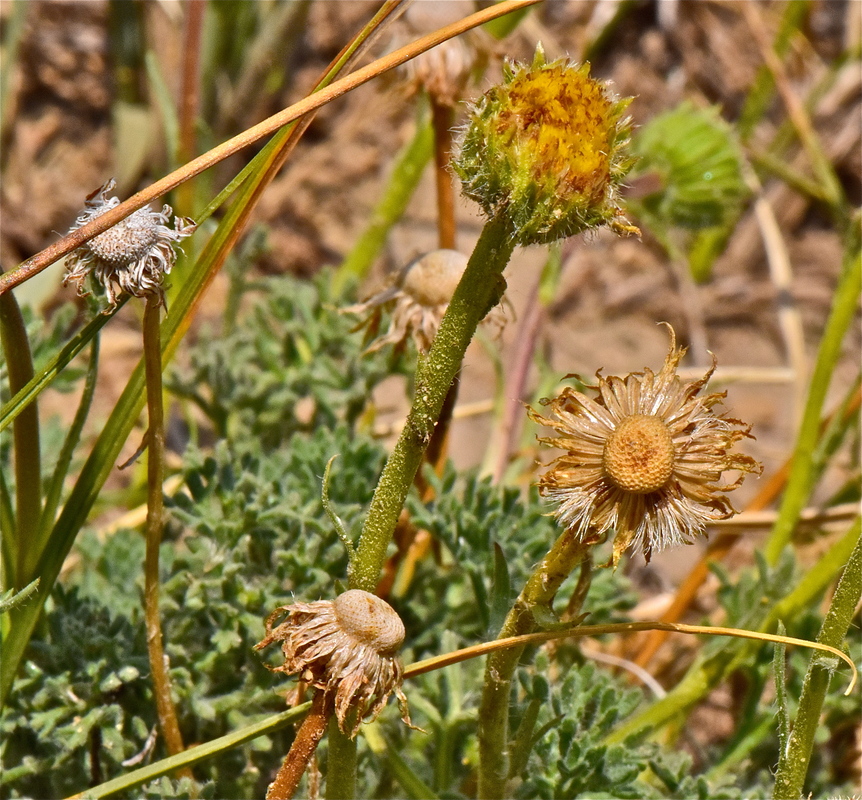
(546, 148)
(643, 457)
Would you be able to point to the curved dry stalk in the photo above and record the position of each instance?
(718, 548)
(456, 657)
(34, 265)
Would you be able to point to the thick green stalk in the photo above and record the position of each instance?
(480, 287)
(25, 437)
(155, 524)
(534, 601)
(793, 762)
(799, 484)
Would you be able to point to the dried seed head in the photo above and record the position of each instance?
(546, 149)
(370, 621)
(348, 648)
(643, 457)
(638, 455)
(134, 255)
(444, 70)
(418, 297)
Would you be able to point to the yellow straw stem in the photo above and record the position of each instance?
(476, 650)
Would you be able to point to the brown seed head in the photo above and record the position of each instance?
(133, 256)
(643, 457)
(370, 620)
(418, 297)
(638, 455)
(346, 647)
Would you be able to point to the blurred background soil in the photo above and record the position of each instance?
(74, 117)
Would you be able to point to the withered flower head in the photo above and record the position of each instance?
(348, 647)
(644, 457)
(134, 255)
(419, 296)
(444, 70)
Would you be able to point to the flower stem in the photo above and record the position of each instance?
(568, 551)
(304, 745)
(793, 763)
(480, 287)
(340, 763)
(155, 523)
(442, 117)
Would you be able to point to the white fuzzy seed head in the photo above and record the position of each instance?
(133, 256)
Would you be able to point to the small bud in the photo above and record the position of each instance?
(545, 148)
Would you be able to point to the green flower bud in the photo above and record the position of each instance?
(545, 148)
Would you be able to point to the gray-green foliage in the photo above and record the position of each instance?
(83, 686)
(569, 759)
(292, 365)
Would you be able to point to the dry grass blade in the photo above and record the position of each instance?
(438, 662)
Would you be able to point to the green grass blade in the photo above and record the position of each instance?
(800, 483)
(31, 390)
(25, 440)
(55, 488)
(195, 755)
(793, 764)
(406, 174)
(167, 109)
(706, 673)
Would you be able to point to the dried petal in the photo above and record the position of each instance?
(643, 457)
(347, 648)
(133, 255)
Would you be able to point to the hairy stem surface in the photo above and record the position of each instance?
(793, 763)
(480, 287)
(568, 551)
(155, 524)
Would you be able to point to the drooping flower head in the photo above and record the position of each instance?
(643, 457)
(134, 255)
(546, 148)
(347, 647)
(445, 70)
(418, 297)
